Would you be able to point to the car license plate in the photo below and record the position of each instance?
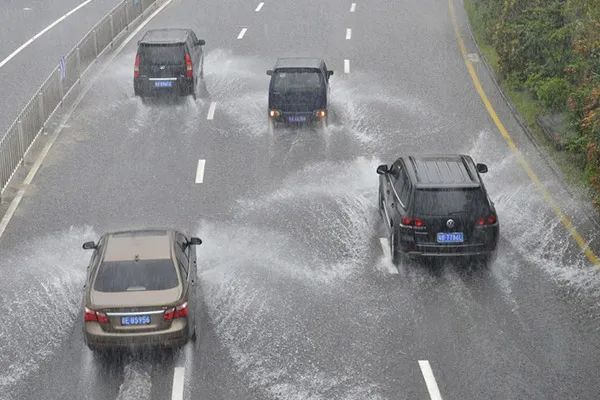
(135, 320)
(452, 237)
(162, 84)
(297, 118)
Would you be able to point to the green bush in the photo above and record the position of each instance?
(553, 93)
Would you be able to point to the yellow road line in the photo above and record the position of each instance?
(564, 219)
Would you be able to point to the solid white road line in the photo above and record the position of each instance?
(14, 204)
(46, 29)
(177, 391)
(346, 66)
(348, 33)
(385, 247)
(242, 33)
(432, 387)
(211, 110)
(387, 256)
(200, 171)
(353, 7)
(260, 5)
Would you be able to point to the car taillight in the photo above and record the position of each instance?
(136, 66)
(321, 114)
(416, 222)
(489, 220)
(189, 71)
(180, 311)
(95, 316)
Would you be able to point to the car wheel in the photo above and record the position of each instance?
(394, 247)
(194, 336)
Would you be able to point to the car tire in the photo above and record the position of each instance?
(394, 251)
(194, 336)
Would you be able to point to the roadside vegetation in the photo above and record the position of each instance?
(546, 55)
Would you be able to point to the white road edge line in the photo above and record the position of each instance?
(178, 381)
(432, 387)
(387, 255)
(200, 171)
(348, 33)
(346, 66)
(14, 204)
(260, 5)
(40, 33)
(242, 33)
(353, 7)
(211, 110)
(385, 247)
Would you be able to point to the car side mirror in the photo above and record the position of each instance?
(482, 168)
(194, 241)
(200, 42)
(270, 72)
(382, 169)
(89, 246)
(329, 73)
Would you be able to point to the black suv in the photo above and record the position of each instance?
(437, 206)
(168, 60)
(299, 91)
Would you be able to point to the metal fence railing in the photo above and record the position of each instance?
(22, 133)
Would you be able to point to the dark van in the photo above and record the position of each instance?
(168, 61)
(299, 91)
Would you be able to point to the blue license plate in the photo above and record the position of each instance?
(136, 320)
(297, 118)
(452, 237)
(162, 84)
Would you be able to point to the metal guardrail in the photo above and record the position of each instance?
(23, 132)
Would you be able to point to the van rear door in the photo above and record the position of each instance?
(162, 60)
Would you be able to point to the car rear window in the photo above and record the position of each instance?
(170, 54)
(122, 276)
(296, 79)
(443, 202)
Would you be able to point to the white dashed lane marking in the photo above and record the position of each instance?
(200, 171)
(432, 387)
(353, 7)
(46, 29)
(178, 380)
(211, 110)
(348, 33)
(242, 33)
(346, 66)
(259, 7)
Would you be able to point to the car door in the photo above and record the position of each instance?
(326, 76)
(388, 202)
(182, 254)
(197, 53)
(397, 193)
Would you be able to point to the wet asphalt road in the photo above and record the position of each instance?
(301, 302)
(20, 21)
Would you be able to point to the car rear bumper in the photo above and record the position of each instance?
(177, 335)
(147, 86)
(293, 118)
(451, 251)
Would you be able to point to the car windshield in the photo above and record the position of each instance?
(450, 201)
(297, 80)
(172, 54)
(122, 276)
